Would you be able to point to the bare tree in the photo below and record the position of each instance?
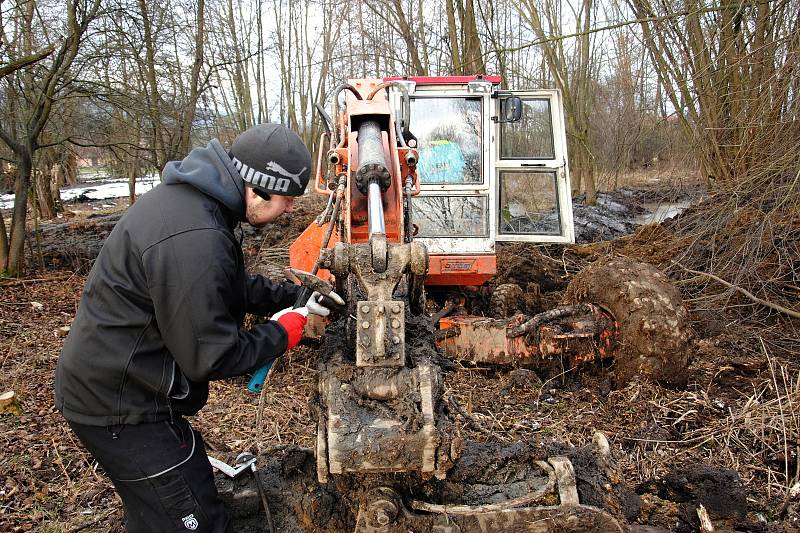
(171, 104)
(409, 23)
(465, 43)
(574, 73)
(729, 70)
(40, 85)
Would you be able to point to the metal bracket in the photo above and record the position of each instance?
(243, 463)
(381, 333)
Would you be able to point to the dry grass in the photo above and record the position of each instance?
(676, 174)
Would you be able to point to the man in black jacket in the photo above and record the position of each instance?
(161, 315)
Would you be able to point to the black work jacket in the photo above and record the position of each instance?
(162, 310)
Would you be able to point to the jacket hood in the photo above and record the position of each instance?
(211, 171)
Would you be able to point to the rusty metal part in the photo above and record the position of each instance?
(381, 333)
(577, 334)
(311, 281)
(382, 420)
(379, 249)
(383, 508)
(381, 330)
(383, 511)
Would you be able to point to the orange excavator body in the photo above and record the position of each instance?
(445, 269)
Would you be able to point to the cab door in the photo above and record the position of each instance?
(532, 192)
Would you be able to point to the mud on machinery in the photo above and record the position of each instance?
(423, 177)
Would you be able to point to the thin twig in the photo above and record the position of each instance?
(34, 280)
(776, 307)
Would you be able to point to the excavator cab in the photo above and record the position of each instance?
(492, 167)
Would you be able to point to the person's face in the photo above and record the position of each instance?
(259, 211)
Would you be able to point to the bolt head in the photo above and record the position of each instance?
(365, 325)
(365, 309)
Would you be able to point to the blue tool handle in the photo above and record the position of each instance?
(259, 377)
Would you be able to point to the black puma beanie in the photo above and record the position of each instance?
(272, 158)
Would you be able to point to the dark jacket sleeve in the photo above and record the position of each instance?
(191, 280)
(265, 297)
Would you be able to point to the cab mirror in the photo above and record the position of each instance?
(511, 109)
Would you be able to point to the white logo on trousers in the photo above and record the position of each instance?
(190, 522)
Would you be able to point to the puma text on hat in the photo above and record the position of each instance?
(272, 158)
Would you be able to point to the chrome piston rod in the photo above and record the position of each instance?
(375, 210)
(373, 172)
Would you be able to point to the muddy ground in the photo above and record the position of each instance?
(728, 439)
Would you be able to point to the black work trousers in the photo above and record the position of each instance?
(161, 472)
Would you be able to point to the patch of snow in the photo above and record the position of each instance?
(117, 188)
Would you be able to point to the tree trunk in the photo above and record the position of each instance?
(130, 170)
(16, 252)
(194, 82)
(452, 33)
(472, 56)
(44, 198)
(3, 245)
(409, 36)
(70, 168)
(153, 99)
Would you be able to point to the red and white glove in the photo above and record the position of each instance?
(293, 321)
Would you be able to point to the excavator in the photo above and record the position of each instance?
(423, 177)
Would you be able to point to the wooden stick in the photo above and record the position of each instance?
(776, 307)
(34, 280)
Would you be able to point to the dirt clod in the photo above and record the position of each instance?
(719, 490)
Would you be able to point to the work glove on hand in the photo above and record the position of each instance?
(293, 321)
(319, 304)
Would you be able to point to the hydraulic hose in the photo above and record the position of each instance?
(327, 123)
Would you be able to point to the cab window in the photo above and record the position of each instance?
(529, 203)
(532, 136)
(451, 216)
(449, 133)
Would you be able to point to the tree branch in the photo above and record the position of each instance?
(23, 62)
(751, 296)
(622, 24)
